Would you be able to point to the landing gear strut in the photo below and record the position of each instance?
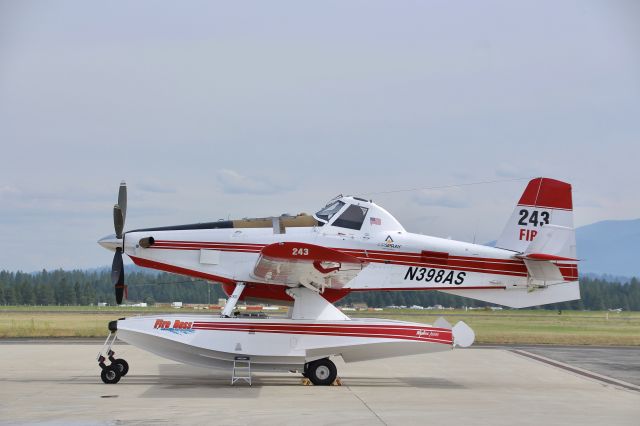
(118, 368)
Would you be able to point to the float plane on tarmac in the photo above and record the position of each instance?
(310, 262)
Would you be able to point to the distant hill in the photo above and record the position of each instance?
(610, 247)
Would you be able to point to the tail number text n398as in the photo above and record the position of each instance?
(415, 273)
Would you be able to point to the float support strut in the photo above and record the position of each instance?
(232, 301)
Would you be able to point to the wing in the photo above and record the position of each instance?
(291, 263)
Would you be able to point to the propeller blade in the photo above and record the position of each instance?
(117, 267)
(118, 220)
(117, 275)
(122, 199)
(121, 292)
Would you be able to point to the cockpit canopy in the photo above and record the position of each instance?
(356, 214)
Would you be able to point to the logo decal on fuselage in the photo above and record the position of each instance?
(179, 326)
(389, 243)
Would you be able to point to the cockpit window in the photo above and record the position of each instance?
(352, 218)
(330, 209)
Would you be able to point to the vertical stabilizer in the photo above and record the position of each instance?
(544, 202)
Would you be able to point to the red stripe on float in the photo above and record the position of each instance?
(437, 335)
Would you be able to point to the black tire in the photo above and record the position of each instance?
(122, 365)
(322, 372)
(110, 374)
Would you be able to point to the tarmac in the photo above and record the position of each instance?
(53, 383)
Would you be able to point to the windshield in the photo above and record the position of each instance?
(327, 213)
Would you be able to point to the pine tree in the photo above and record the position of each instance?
(10, 296)
(67, 294)
(27, 294)
(54, 287)
(44, 294)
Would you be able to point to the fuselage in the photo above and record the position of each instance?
(397, 261)
(393, 259)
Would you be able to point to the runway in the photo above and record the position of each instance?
(52, 383)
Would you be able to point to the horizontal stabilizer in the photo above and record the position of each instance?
(543, 272)
(553, 242)
(544, 256)
(524, 297)
(553, 247)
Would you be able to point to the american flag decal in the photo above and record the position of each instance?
(375, 221)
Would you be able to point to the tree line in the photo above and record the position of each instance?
(71, 288)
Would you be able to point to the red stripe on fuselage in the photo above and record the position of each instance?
(509, 267)
(461, 263)
(569, 272)
(146, 263)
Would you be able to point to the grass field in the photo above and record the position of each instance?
(507, 326)
(63, 321)
(539, 326)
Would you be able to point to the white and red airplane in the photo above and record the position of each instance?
(350, 245)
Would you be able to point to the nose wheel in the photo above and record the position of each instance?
(118, 367)
(110, 374)
(121, 365)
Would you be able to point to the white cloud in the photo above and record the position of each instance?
(26, 202)
(155, 188)
(450, 197)
(518, 171)
(8, 190)
(233, 182)
(505, 170)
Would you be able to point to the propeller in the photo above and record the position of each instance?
(117, 266)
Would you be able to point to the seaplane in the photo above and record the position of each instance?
(309, 262)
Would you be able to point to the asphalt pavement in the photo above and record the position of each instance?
(49, 383)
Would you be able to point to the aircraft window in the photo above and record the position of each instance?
(352, 218)
(328, 212)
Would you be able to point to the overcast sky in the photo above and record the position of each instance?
(231, 109)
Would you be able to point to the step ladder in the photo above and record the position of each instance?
(241, 369)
